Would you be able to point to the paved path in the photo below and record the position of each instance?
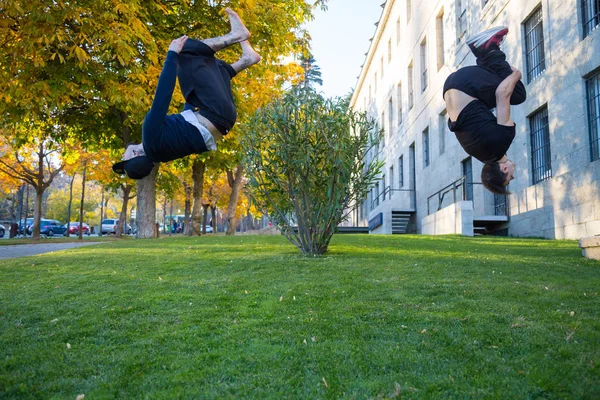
(21, 250)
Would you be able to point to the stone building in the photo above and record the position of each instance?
(429, 184)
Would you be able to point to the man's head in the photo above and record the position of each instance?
(495, 176)
(135, 163)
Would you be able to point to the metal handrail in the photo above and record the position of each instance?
(387, 190)
(459, 184)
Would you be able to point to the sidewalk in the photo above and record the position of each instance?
(22, 250)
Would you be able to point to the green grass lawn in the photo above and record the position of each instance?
(249, 317)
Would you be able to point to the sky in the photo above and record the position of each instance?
(340, 39)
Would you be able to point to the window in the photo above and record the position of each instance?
(467, 167)
(590, 12)
(375, 84)
(390, 115)
(461, 19)
(376, 195)
(398, 31)
(400, 172)
(391, 180)
(410, 86)
(593, 99)
(382, 125)
(540, 145)
(426, 147)
(439, 35)
(408, 10)
(390, 50)
(383, 186)
(534, 45)
(370, 94)
(399, 92)
(423, 65)
(381, 67)
(442, 130)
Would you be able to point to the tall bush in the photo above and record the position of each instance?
(306, 159)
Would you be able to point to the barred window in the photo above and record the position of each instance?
(410, 87)
(398, 31)
(399, 104)
(426, 147)
(467, 166)
(443, 126)
(400, 171)
(461, 19)
(391, 180)
(390, 50)
(534, 45)
(439, 33)
(424, 65)
(383, 186)
(593, 99)
(390, 116)
(590, 11)
(540, 145)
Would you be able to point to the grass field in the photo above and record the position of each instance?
(249, 317)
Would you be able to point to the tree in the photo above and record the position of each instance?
(27, 154)
(312, 72)
(308, 169)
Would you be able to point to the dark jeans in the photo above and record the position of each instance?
(481, 81)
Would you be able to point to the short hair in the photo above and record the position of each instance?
(493, 178)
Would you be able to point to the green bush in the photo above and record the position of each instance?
(306, 157)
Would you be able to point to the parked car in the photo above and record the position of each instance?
(50, 227)
(110, 226)
(25, 224)
(2, 231)
(74, 228)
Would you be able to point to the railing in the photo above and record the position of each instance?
(390, 191)
(460, 190)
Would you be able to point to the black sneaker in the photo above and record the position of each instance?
(488, 40)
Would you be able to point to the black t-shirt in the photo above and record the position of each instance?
(479, 133)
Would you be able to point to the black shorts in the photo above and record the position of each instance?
(479, 133)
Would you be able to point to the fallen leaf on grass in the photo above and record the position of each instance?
(304, 341)
(325, 382)
(281, 298)
(80, 397)
(423, 331)
(314, 339)
(68, 345)
(55, 320)
(159, 278)
(572, 313)
(515, 325)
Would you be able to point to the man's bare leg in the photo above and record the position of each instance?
(249, 57)
(238, 33)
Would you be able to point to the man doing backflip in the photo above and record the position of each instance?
(471, 92)
(209, 112)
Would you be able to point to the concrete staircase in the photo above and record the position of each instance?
(400, 221)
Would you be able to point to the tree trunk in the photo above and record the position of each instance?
(165, 214)
(204, 218)
(198, 177)
(122, 224)
(213, 218)
(80, 228)
(188, 206)
(146, 206)
(171, 219)
(37, 213)
(69, 206)
(235, 182)
(101, 212)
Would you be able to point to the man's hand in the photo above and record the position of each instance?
(177, 44)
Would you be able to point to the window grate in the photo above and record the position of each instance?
(461, 20)
(593, 98)
(534, 45)
(540, 146)
(590, 10)
(426, 147)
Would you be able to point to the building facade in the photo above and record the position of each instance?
(429, 184)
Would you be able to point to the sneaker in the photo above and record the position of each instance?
(487, 40)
